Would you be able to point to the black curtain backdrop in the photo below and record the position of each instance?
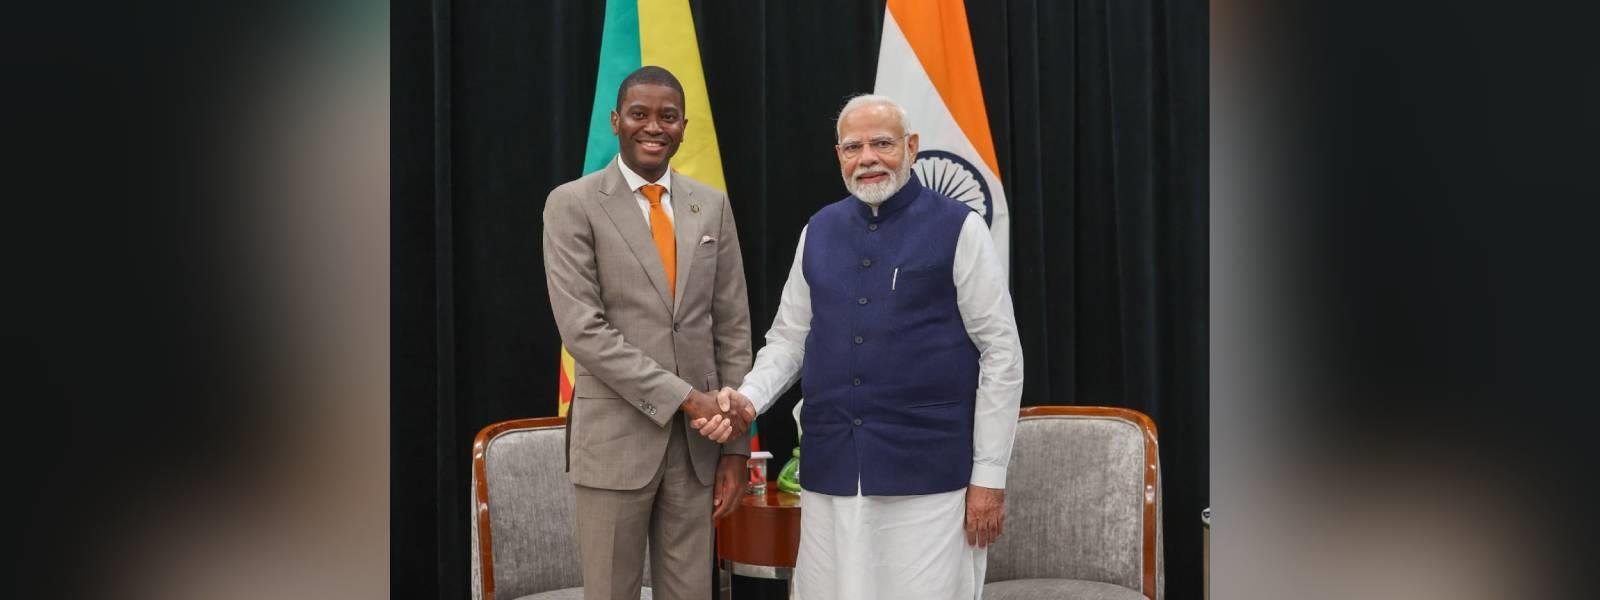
(1099, 113)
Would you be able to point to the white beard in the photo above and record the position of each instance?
(876, 193)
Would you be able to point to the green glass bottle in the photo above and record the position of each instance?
(789, 477)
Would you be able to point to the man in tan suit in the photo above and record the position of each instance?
(648, 290)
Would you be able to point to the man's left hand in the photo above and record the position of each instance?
(986, 515)
(731, 476)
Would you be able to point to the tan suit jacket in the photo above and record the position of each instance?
(639, 350)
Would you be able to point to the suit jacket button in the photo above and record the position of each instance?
(674, 326)
(857, 422)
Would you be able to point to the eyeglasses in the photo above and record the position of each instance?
(884, 146)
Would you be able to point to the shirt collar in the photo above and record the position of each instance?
(635, 181)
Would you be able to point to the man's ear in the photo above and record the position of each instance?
(911, 147)
(616, 123)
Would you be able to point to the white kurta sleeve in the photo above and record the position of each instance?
(778, 363)
(985, 303)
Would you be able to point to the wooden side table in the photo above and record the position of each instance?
(760, 539)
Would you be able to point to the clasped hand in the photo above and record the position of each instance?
(719, 418)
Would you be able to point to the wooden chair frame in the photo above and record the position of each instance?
(480, 487)
(1151, 472)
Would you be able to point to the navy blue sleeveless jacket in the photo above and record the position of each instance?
(890, 375)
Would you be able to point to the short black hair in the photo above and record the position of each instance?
(650, 74)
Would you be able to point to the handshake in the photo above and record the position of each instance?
(720, 417)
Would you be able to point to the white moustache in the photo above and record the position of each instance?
(865, 171)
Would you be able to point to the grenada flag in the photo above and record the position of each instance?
(926, 64)
(638, 33)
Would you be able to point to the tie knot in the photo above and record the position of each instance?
(652, 192)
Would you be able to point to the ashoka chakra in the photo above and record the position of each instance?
(953, 176)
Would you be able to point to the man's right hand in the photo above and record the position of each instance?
(717, 421)
(735, 408)
(730, 400)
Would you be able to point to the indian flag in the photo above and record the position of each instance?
(925, 63)
(638, 33)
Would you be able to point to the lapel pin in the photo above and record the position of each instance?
(694, 208)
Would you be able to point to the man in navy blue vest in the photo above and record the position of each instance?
(897, 321)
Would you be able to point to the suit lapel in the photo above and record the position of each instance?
(686, 227)
(623, 209)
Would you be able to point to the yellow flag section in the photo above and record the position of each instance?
(569, 375)
(667, 40)
(659, 33)
(925, 63)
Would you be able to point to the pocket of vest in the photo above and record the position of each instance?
(911, 288)
(934, 404)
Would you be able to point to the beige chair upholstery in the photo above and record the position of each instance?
(522, 514)
(1083, 508)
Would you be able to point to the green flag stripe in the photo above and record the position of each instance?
(619, 56)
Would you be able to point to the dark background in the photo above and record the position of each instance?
(1099, 112)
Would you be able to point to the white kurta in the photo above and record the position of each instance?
(869, 547)
(904, 546)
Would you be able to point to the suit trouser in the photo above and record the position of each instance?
(673, 511)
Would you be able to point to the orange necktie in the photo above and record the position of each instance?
(661, 230)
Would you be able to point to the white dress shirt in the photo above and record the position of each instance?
(985, 304)
(635, 181)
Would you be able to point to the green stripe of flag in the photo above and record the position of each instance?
(619, 56)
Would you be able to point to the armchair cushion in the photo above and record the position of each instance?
(1057, 589)
(519, 471)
